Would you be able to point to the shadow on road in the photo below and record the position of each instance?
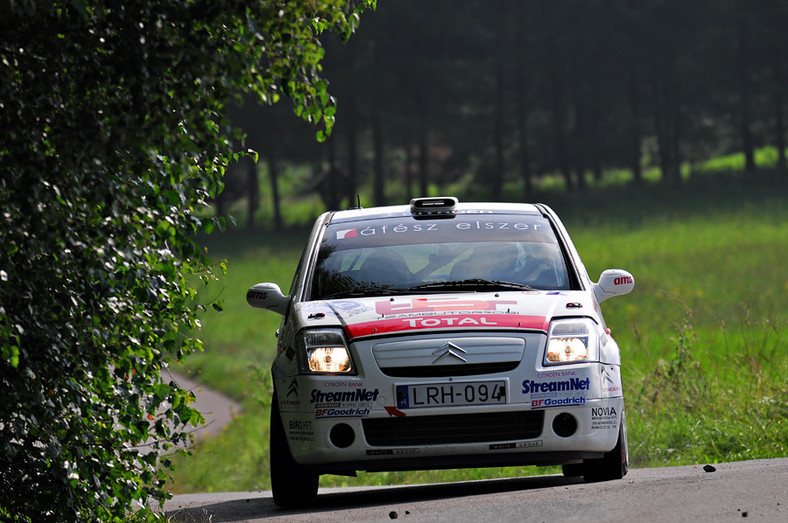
(254, 506)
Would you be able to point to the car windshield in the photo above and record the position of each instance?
(469, 252)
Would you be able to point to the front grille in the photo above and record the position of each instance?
(442, 371)
(456, 428)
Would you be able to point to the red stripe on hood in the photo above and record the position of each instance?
(448, 321)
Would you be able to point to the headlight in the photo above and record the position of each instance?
(572, 341)
(326, 351)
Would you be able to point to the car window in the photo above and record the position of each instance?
(394, 256)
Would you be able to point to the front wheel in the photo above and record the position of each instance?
(293, 485)
(614, 464)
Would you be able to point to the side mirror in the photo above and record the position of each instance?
(268, 296)
(613, 282)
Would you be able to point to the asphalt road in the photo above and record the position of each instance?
(746, 490)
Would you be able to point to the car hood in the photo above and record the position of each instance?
(528, 310)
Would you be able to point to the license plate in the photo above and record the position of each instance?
(451, 394)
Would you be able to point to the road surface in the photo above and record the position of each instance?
(740, 491)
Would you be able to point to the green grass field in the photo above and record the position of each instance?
(702, 336)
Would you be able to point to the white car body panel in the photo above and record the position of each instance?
(445, 378)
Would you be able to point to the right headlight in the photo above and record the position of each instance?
(573, 340)
(326, 352)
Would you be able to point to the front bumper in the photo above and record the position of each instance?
(372, 438)
(381, 420)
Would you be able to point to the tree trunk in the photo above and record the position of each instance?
(409, 161)
(351, 189)
(779, 107)
(675, 134)
(745, 122)
(558, 128)
(332, 192)
(522, 125)
(497, 181)
(779, 130)
(580, 139)
(634, 108)
(378, 174)
(745, 117)
(423, 165)
(664, 114)
(273, 177)
(252, 190)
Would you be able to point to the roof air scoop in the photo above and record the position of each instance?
(441, 205)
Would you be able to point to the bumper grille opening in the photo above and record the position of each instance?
(456, 428)
(442, 371)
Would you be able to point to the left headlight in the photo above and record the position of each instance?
(325, 351)
(574, 340)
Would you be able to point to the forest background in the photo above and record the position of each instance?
(488, 98)
(655, 129)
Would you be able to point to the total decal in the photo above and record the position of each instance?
(423, 313)
(557, 392)
(448, 321)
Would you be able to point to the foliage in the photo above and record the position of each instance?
(110, 142)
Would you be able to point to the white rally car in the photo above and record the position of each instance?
(442, 335)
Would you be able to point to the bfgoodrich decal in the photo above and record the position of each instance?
(342, 413)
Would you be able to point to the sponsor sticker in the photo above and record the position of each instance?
(347, 233)
(604, 418)
(291, 399)
(535, 388)
(342, 413)
(346, 398)
(611, 382)
(393, 452)
(517, 445)
(556, 393)
(453, 321)
(561, 402)
(300, 430)
(422, 305)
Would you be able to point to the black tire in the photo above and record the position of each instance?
(293, 485)
(614, 464)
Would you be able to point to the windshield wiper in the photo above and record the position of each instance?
(364, 292)
(475, 283)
